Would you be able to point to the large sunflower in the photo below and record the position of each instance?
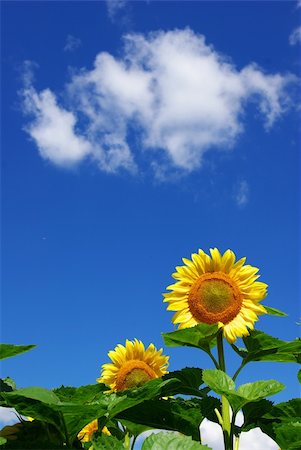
(218, 290)
(132, 365)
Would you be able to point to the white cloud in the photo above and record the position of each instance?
(295, 36)
(252, 440)
(8, 416)
(72, 43)
(170, 95)
(115, 8)
(242, 193)
(53, 129)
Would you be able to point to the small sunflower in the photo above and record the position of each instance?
(218, 290)
(132, 365)
(85, 435)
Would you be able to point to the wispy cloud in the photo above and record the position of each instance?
(117, 10)
(172, 91)
(242, 193)
(72, 43)
(295, 36)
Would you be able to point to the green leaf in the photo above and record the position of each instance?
(83, 394)
(299, 376)
(172, 414)
(120, 401)
(288, 435)
(208, 405)
(107, 443)
(2, 440)
(286, 411)
(190, 380)
(274, 311)
(200, 336)
(218, 381)
(171, 441)
(32, 435)
(7, 384)
(9, 350)
(263, 347)
(133, 428)
(45, 405)
(253, 413)
(222, 384)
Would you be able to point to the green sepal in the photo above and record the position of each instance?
(274, 311)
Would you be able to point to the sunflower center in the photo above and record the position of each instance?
(134, 373)
(214, 297)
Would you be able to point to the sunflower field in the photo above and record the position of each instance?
(216, 300)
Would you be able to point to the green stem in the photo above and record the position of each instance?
(238, 371)
(225, 404)
(237, 442)
(213, 359)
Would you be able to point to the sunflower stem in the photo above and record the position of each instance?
(225, 403)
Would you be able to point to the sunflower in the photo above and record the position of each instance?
(85, 435)
(132, 365)
(216, 289)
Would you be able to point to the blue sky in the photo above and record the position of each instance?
(112, 173)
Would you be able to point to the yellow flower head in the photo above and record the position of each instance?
(216, 289)
(132, 365)
(85, 435)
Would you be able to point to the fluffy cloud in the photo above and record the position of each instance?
(295, 36)
(252, 440)
(170, 98)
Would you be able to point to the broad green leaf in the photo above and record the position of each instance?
(171, 441)
(253, 413)
(7, 385)
(9, 350)
(107, 443)
(263, 347)
(299, 376)
(200, 336)
(172, 414)
(222, 384)
(32, 436)
(274, 312)
(2, 440)
(286, 411)
(288, 435)
(133, 428)
(208, 405)
(83, 394)
(120, 401)
(44, 405)
(35, 393)
(190, 380)
(218, 381)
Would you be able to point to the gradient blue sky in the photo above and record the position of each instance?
(87, 249)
